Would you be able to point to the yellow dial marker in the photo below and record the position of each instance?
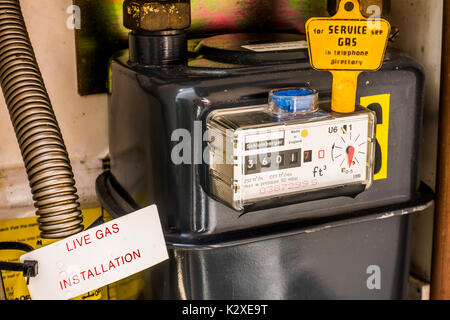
(305, 133)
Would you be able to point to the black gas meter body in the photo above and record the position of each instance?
(287, 246)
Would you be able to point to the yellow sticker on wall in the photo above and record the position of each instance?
(380, 104)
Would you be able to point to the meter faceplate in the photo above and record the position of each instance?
(254, 157)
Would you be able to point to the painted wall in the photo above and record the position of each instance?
(420, 23)
(83, 120)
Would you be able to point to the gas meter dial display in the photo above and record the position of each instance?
(270, 159)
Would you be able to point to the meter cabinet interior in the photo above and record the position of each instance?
(150, 104)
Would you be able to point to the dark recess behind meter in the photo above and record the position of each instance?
(102, 32)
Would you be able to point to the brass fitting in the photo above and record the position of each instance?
(384, 5)
(148, 15)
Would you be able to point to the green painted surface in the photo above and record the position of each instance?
(311, 8)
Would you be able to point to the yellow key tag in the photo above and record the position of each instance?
(346, 45)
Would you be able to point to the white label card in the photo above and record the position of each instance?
(99, 256)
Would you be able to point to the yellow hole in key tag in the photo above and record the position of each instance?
(346, 45)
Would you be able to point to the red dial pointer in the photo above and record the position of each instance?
(350, 153)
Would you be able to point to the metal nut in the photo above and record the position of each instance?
(156, 15)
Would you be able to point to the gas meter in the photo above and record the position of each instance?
(288, 147)
(294, 185)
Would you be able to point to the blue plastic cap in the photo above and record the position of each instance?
(299, 100)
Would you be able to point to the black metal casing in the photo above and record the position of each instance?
(315, 249)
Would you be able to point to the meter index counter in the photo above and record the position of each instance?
(264, 152)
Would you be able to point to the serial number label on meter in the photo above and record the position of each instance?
(302, 157)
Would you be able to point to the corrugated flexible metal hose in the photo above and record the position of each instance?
(37, 131)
